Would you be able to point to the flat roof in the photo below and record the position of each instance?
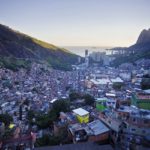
(111, 94)
(101, 99)
(80, 111)
(102, 81)
(118, 79)
(98, 127)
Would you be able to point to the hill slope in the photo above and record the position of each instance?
(20, 46)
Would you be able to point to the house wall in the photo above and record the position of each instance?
(142, 131)
(100, 105)
(140, 103)
(139, 122)
(99, 138)
(83, 119)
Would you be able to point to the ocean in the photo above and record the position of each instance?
(80, 50)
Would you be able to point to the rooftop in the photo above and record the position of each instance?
(118, 79)
(98, 127)
(80, 111)
(110, 94)
(101, 99)
(102, 81)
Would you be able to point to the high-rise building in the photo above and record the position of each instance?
(86, 58)
(86, 52)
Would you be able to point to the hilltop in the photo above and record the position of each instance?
(140, 50)
(22, 48)
(144, 37)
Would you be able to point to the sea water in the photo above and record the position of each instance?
(80, 50)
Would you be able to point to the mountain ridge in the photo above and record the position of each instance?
(144, 37)
(137, 51)
(19, 45)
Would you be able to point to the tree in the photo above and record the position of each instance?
(118, 85)
(89, 100)
(20, 112)
(43, 121)
(58, 106)
(47, 140)
(145, 84)
(30, 116)
(6, 119)
(73, 96)
(61, 106)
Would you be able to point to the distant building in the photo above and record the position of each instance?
(97, 56)
(82, 115)
(100, 57)
(86, 58)
(101, 83)
(86, 52)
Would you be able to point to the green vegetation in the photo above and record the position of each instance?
(50, 140)
(61, 106)
(8, 133)
(145, 84)
(44, 44)
(14, 63)
(118, 86)
(100, 107)
(16, 47)
(59, 64)
(89, 100)
(44, 121)
(47, 140)
(143, 105)
(6, 119)
(120, 59)
(74, 96)
(140, 103)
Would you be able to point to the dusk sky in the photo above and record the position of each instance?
(78, 22)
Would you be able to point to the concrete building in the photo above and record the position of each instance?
(100, 57)
(94, 131)
(99, 133)
(141, 100)
(101, 104)
(82, 115)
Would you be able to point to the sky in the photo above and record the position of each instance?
(78, 22)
